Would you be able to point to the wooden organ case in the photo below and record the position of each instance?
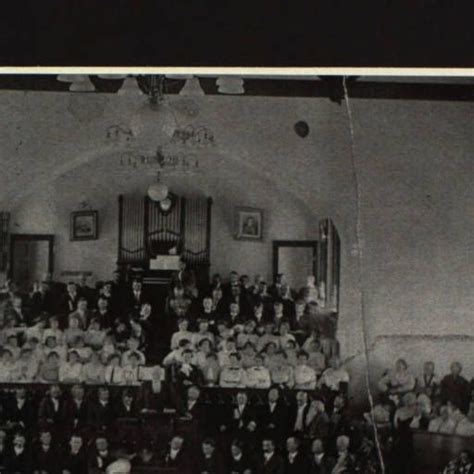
(152, 239)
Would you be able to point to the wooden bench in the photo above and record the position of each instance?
(434, 450)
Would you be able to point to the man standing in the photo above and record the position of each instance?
(456, 389)
(186, 278)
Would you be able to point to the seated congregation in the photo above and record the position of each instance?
(231, 376)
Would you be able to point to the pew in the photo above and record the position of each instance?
(434, 450)
(154, 470)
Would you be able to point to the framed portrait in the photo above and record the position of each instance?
(248, 223)
(84, 225)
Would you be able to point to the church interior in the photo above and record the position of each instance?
(182, 254)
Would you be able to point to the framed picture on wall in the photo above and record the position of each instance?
(84, 225)
(248, 223)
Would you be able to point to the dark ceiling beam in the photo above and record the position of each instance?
(329, 87)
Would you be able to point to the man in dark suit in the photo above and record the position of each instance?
(74, 460)
(296, 462)
(240, 298)
(117, 301)
(455, 388)
(18, 461)
(275, 290)
(297, 420)
(208, 312)
(76, 408)
(101, 413)
(227, 287)
(45, 454)
(270, 462)
(100, 457)
(17, 314)
(192, 406)
(69, 300)
(210, 461)
(51, 409)
(273, 416)
(176, 457)
(186, 278)
(238, 462)
(234, 317)
(103, 313)
(135, 298)
(241, 417)
(127, 407)
(20, 410)
(319, 461)
(42, 299)
(90, 294)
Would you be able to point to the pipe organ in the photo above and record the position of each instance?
(147, 231)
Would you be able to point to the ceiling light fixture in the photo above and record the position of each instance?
(192, 88)
(230, 85)
(72, 78)
(130, 88)
(82, 86)
(114, 77)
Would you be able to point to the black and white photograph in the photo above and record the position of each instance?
(238, 261)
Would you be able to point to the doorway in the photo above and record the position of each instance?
(31, 259)
(296, 259)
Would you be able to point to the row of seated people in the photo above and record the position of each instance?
(72, 360)
(73, 407)
(124, 299)
(273, 416)
(407, 403)
(107, 310)
(99, 319)
(444, 403)
(259, 370)
(462, 463)
(244, 419)
(94, 325)
(45, 453)
(302, 315)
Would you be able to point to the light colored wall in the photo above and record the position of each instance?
(417, 208)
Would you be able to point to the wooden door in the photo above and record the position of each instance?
(31, 259)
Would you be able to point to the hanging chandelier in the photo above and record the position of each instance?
(154, 122)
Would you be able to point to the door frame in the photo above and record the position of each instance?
(294, 243)
(32, 238)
